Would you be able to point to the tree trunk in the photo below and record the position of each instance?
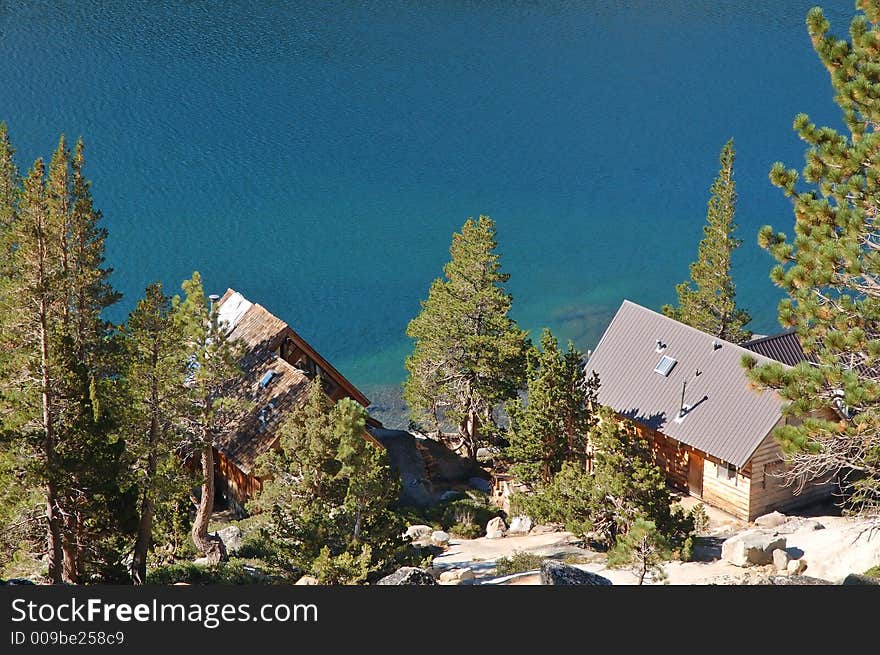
(70, 572)
(145, 526)
(209, 545)
(471, 433)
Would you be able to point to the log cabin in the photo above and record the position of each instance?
(277, 369)
(711, 430)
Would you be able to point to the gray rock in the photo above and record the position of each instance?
(307, 580)
(17, 581)
(419, 532)
(855, 579)
(799, 524)
(786, 580)
(408, 575)
(440, 538)
(481, 484)
(203, 561)
(557, 573)
(495, 528)
(780, 559)
(751, 548)
(457, 577)
(520, 525)
(484, 455)
(797, 566)
(452, 494)
(771, 520)
(232, 538)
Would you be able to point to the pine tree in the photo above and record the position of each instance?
(707, 300)
(469, 355)
(830, 272)
(329, 493)
(214, 365)
(625, 485)
(553, 425)
(10, 190)
(643, 549)
(155, 374)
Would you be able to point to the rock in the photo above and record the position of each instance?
(797, 566)
(785, 580)
(17, 581)
(457, 577)
(452, 494)
(557, 573)
(408, 575)
(481, 484)
(307, 580)
(799, 524)
(419, 532)
(232, 538)
(440, 538)
(484, 455)
(203, 561)
(520, 525)
(495, 528)
(771, 520)
(753, 547)
(780, 559)
(861, 580)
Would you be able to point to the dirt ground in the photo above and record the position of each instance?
(843, 546)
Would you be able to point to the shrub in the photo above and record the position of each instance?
(873, 572)
(700, 518)
(466, 530)
(518, 562)
(468, 511)
(231, 572)
(686, 554)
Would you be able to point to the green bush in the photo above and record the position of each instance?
(231, 572)
(700, 518)
(873, 572)
(518, 562)
(687, 550)
(468, 511)
(466, 530)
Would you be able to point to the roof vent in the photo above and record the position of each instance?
(715, 345)
(267, 378)
(660, 346)
(665, 365)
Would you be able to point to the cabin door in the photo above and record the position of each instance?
(695, 474)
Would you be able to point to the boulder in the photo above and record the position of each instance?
(450, 495)
(457, 577)
(785, 580)
(520, 525)
(440, 538)
(307, 580)
(860, 580)
(797, 566)
(798, 524)
(408, 575)
(203, 561)
(751, 548)
(771, 520)
(780, 559)
(480, 484)
(484, 455)
(17, 581)
(419, 532)
(557, 573)
(232, 538)
(495, 528)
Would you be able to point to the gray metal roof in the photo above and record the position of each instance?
(728, 418)
(784, 347)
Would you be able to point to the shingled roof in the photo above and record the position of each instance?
(271, 396)
(727, 417)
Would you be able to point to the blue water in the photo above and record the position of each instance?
(318, 156)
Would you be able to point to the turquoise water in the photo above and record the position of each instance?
(318, 156)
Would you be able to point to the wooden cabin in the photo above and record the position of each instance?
(710, 428)
(278, 367)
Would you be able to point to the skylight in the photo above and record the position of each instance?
(267, 378)
(664, 366)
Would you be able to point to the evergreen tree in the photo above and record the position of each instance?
(707, 300)
(155, 374)
(625, 485)
(554, 424)
(213, 367)
(830, 272)
(329, 493)
(469, 355)
(10, 190)
(643, 549)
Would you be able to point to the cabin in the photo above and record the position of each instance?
(278, 367)
(711, 430)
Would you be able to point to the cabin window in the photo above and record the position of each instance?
(725, 471)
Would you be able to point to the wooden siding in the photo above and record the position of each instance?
(731, 495)
(768, 491)
(671, 456)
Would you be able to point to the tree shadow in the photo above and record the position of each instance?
(653, 421)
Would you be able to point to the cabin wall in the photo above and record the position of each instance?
(671, 456)
(731, 494)
(236, 486)
(769, 492)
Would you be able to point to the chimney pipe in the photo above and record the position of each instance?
(681, 405)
